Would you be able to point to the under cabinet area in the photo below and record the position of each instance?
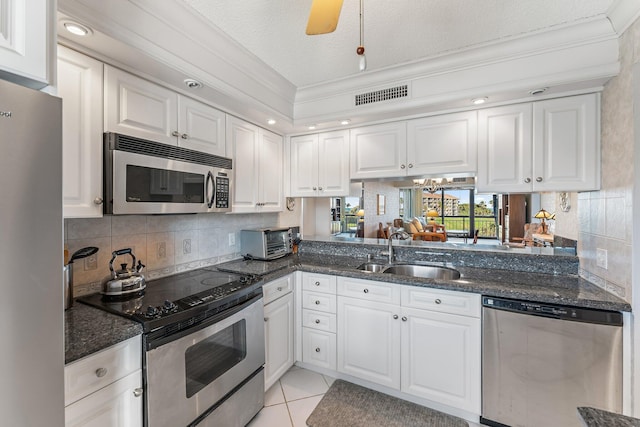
(137, 107)
(551, 145)
(278, 328)
(106, 388)
(320, 164)
(80, 87)
(258, 167)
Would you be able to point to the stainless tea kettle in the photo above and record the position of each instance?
(126, 281)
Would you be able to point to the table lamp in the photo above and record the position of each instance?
(360, 214)
(432, 214)
(542, 215)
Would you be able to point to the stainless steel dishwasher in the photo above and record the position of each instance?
(541, 361)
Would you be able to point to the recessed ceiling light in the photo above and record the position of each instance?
(192, 84)
(312, 127)
(478, 101)
(271, 122)
(77, 29)
(538, 91)
(345, 122)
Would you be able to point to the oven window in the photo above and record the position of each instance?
(212, 357)
(163, 186)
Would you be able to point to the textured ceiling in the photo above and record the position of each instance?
(396, 31)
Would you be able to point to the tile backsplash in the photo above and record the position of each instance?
(166, 244)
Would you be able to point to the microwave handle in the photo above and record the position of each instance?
(211, 199)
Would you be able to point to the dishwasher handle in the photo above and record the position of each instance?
(554, 311)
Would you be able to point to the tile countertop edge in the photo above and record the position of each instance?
(593, 417)
(88, 330)
(553, 289)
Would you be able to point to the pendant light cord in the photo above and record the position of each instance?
(361, 22)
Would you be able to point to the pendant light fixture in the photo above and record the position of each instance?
(360, 49)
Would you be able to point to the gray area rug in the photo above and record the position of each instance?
(349, 405)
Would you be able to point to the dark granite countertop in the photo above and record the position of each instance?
(565, 289)
(593, 417)
(88, 330)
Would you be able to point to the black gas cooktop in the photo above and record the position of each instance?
(186, 297)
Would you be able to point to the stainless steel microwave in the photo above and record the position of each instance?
(145, 177)
(266, 243)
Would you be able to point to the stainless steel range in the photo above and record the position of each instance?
(203, 347)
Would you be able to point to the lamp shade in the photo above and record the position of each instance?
(542, 214)
(432, 213)
(360, 213)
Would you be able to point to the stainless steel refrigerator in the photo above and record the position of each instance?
(31, 259)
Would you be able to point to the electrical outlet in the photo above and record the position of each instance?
(186, 246)
(91, 263)
(232, 239)
(601, 258)
(162, 250)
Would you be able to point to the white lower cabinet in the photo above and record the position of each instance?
(318, 319)
(105, 389)
(278, 331)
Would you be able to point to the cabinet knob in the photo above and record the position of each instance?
(279, 288)
(410, 165)
(320, 188)
(98, 200)
(184, 136)
(527, 180)
(395, 316)
(317, 302)
(137, 392)
(402, 166)
(317, 321)
(101, 372)
(266, 319)
(315, 188)
(539, 179)
(317, 283)
(438, 301)
(404, 318)
(317, 349)
(366, 291)
(175, 133)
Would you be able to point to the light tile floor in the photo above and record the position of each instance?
(290, 401)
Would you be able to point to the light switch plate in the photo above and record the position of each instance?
(601, 258)
(232, 239)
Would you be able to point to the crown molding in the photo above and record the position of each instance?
(623, 13)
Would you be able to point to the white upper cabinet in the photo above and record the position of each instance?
(80, 87)
(443, 144)
(379, 151)
(551, 145)
(320, 164)
(27, 41)
(137, 107)
(257, 166)
(431, 145)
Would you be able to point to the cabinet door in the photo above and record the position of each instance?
(27, 43)
(242, 143)
(271, 165)
(379, 151)
(441, 358)
(304, 166)
(333, 164)
(137, 107)
(278, 328)
(80, 87)
(201, 127)
(118, 404)
(566, 146)
(443, 144)
(505, 149)
(369, 341)
(319, 348)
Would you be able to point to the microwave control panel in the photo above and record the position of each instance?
(222, 192)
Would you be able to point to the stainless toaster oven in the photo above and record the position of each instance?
(266, 243)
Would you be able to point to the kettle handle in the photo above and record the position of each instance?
(115, 254)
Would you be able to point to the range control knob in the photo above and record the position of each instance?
(169, 306)
(151, 311)
(244, 279)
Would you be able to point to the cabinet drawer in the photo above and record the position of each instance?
(319, 348)
(277, 288)
(318, 301)
(443, 301)
(369, 290)
(94, 372)
(319, 320)
(319, 283)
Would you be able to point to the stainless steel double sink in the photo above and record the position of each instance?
(412, 270)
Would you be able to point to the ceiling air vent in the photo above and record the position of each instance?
(382, 95)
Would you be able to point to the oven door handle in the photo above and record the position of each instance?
(210, 195)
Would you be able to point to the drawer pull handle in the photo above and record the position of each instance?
(317, 302)
(317, 320)
(137, 392)
(366, 291)
(279, 288)
(317, 283)
(404, 318)
(395, 316)
(101, 372)
(317, 349)
(438, 301)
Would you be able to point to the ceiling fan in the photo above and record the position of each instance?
(323, 19)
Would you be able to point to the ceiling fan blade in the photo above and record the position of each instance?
(323, 17)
